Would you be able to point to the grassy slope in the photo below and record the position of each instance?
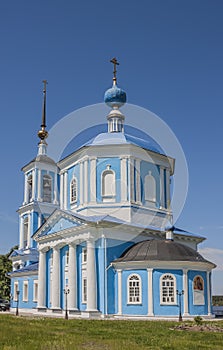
(57, 334)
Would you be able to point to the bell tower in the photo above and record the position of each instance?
(40, 195)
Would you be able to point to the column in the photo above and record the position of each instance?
(162, 186)
(72, 278)
(26, 190)
(21, 233)
(150, 292)
(91, 277)
(61, 191)
(138, 185)
(33, 185)
(185, 288)
(29, 230)
(167, 188)
(81, 184)
(124, 184)
(56, 279)
(208, 293)
(42, 280)
(55, 189)
(85, 181)
(93, 180)
(65, 189)
(39, 219)
(131, 179)
(119, 272)
(39, 185)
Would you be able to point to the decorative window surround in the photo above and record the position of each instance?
(25, 291)
(134, 287)
(73, 191)
(167, 289)
(84, 290)
(47, 188)
(16, 288)
(35, 290)
(108, 186)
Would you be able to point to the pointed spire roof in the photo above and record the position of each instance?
(42, 133)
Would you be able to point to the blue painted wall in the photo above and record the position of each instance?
(24, 304)
(145, 167)
(115, 248)
(101, 166)
(135, 309)
(165, 310)
(197, 309)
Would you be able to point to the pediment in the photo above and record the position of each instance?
(57, 222)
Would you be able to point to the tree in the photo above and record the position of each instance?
(5, 268)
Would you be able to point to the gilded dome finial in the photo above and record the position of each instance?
(115, 63)
(42, 134)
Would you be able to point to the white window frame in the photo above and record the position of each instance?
(30, 187)
(108, 197)
(84, 255)
(73, 189)
(25, 230)
(168, 287)
(134, 284)
(16, 288)
(84, 289)
(48, 177)
(150, 188)
(25, 291)
(35, 290)
(66, 258)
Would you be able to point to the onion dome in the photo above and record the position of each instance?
(115, 97)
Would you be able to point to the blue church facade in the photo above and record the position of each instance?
(95, 231)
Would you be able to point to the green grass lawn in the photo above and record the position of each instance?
(27, 333)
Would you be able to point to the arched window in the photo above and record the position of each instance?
(30, 187)
(134, 289)
(167, 289)
(198, 290)
(150, 188)
(47, 188)
(73, 190)
(25, 231)
(108, 184)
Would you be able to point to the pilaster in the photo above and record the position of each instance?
(185, 288)
(150, 292)
(91, 278)
(56, 279)
(72, 278)
(119, 272)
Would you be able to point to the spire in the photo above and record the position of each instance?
(42, 134)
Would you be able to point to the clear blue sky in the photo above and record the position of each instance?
(171, 57)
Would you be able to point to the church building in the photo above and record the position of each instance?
(95, 231)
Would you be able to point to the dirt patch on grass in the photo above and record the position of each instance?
(198, 328)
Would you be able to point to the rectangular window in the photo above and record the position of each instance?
(84, 255)
(84, 290)
(16, 289)
(25, 291)
(35, 290)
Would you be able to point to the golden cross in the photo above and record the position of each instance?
(115, 62)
